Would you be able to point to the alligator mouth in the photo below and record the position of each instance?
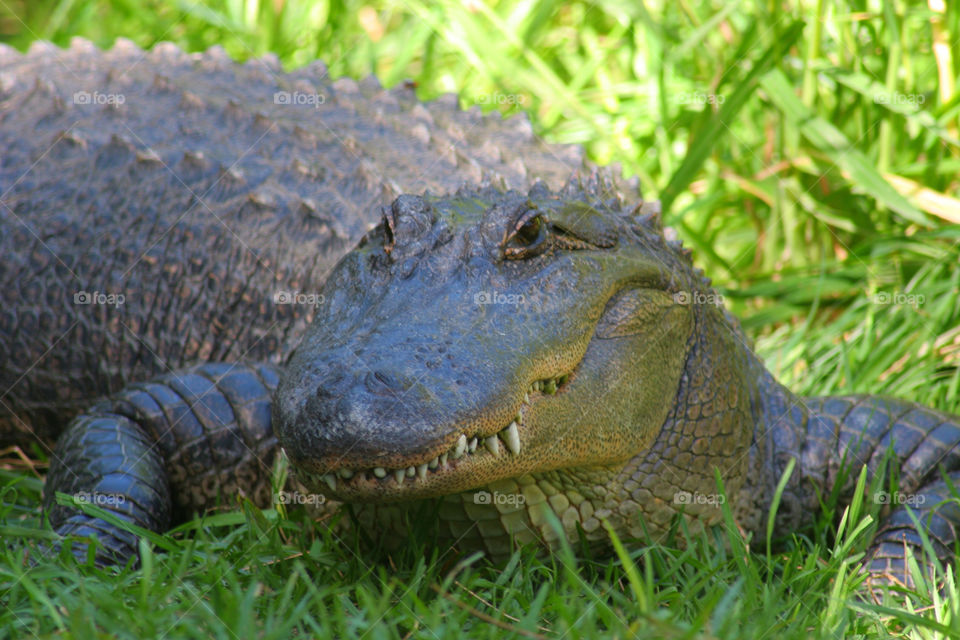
(348, 482)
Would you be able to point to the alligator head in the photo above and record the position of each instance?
(488, 335)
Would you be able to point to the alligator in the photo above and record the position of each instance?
(514, 340)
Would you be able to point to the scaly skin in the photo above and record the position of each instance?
(198, 199)
(551, 347)
(443, 324)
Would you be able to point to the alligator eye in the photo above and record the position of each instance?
(527, 237)
(389, 229)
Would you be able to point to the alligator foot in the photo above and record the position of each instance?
(936, 508)
(160, 450)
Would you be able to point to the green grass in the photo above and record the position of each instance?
(787, 142)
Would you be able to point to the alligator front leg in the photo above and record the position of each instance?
(936, 509)
(160, 450)
(925, 444)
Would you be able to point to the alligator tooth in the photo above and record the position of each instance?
(443, 459)
(461, 447)
(493, 444)
(380, 472)
(346, 474)
(511, 437)
(422, 471)
(400, 474)
(519, 418)
(411, 471)
(563, 379)
(433, 464)
(472, 446)
(551, 387)
(331, 481)
(526, 398)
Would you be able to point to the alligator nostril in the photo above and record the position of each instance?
(329, 383)
(382, 382)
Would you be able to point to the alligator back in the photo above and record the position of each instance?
(157, 206)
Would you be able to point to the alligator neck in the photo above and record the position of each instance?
(731, 415)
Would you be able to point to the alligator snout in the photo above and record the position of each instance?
(346, 409)
(385, 382)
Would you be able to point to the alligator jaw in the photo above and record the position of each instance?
(411, 379)
(426, 476)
